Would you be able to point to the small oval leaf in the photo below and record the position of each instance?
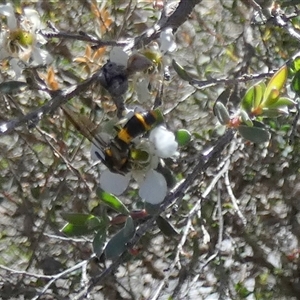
(245, 118)
(76, 230)
(166, 227)
(76, 218)
(99, 242)
(273, 98)
(277, 82)
(247, 101)
(221, 113)
(259, 90)
(112, 201)
(129, 228)
(254, 134)
(296, 83)
(183, 137)
(118, 243)
(275, 112)
(182, 73)
(282, 102)
(296, 64)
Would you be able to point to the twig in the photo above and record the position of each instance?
(175, 20)
(81, 36)
(60, 275)
(220, 218)
(24, 273)
(203, 84)
(52, 278)
(255, 5)
(233, 199)
(281, 20)
(68, 239)
(49, 107)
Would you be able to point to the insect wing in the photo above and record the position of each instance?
(82, 123)
(113, 153)
(89, 130)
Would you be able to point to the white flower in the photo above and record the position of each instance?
(21, 39)
(167, 41)
(153, 185)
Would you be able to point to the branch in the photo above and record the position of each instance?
(35, 116)
(202, 84)
(175, 20)
(80, 36)
(181, 14)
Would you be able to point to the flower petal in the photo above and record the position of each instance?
(118, 56)
(167, 41)
(8, 11)
(34, 18)
(164, 141)
(154, 189)
(114, 183)
(94, 150)
(142, 91)
(40, 56)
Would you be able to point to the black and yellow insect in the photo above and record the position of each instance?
(116, 151)
(137, 125)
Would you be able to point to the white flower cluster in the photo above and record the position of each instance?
(152, 184)
(20, 40)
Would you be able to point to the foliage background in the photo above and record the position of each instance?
(218, 253)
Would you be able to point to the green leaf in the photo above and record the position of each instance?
(283, 102)
(129, 228)
(80, 224)
(118, 243)
(11, 86)
(296, 64)
(245, 118)
(76, 230)
(112, 201)
(221, 113)
(225, 96)
(166, 228)
(259, 90)
(296, 83)
(247, 101)
(182, 73)
(272, 99)
(275, 85)
(254, 134)
(151, 209)
(275, 112)
(183, 137)
(76, 218)
(99, 242)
